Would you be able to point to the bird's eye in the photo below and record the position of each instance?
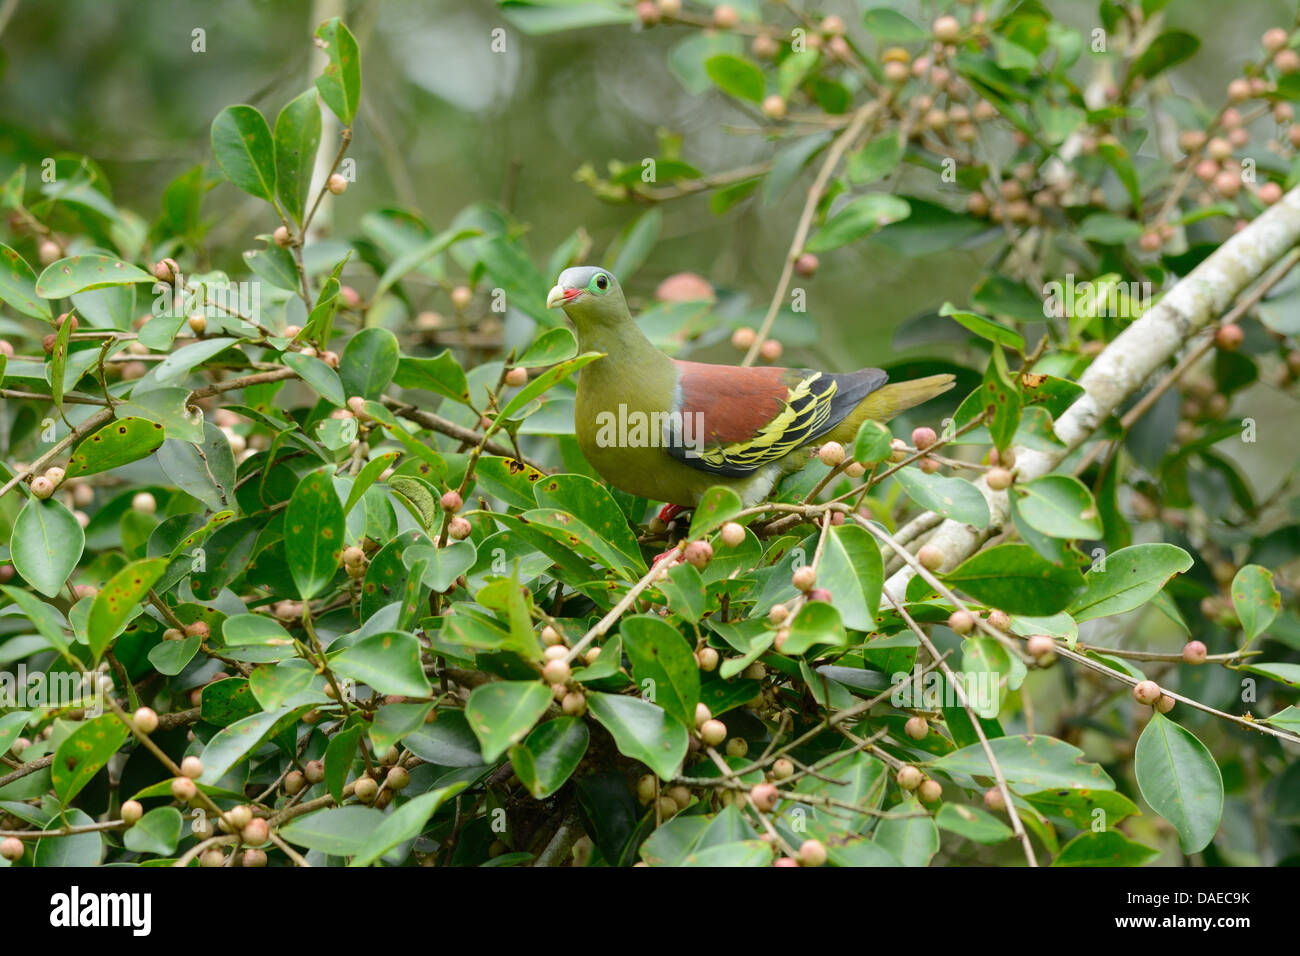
(602, 282)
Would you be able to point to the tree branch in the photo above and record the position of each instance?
(1131, 360)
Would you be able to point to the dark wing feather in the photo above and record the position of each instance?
(733, 421)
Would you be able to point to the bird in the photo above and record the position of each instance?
(667, 430)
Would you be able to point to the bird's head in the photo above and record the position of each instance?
(589, 295)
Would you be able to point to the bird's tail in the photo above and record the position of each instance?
(888, 400)
(900, 396)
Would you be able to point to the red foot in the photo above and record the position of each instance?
(668, 512)
(660, 557)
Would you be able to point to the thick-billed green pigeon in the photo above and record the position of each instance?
(668, 430)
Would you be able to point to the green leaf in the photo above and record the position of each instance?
(297, 137)
(440, 374)
(1118, 159)
(340, 83)
(1287, 718)
(368, 475)
(404, 824)
(663, 665)
(83, 753)
(1255, 600)
(1001, 400)
(973, 823)
(242, 143)
(984, 327)
(394, 721)
(873, 443)
(852, 570)
(157, 832)
(1031, 763)
(339, 754)
(1109, 229)
(448, 742)
(1166, 50)
(118, 599)
(339, 831)
(543, 382)
(273, 264)
(1288, 674)
(11, 727)
(79, 273)
(731, 855)
(789, 162)
(551, 347)
(1179, 778)
(1128, 579)
(1104, 848)
(890, 26)
(44, 617)
(18, 285)
(369, 362)
(717, 506)
(954, 498)
(59, 363)
(46, 544)
(912, 839)
(418, 255)
(1079, 808)
(1060, 506)
(175, 366)
(168, 407)
(386, 577)
(244, 630)
(684, 589)
(318, 375)
(641, 731)
(225, 701)
(874, 161)
(443, 565)
(736, 76)
(231, 744)
(1015, 578)
(929, 228)
(816, 624)
(549, 756)
(116, 444)
(172, 657)
(589, 502)
(503, 712)
(313, 534)
(860, 217)
(287, 684)
(205, 471)
(79, 850)
(389, 662)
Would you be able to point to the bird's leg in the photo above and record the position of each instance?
(668, 512)
(659, 557)
(664, 521)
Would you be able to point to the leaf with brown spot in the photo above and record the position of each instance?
(313, 534)
(83, 753)
(116, 444)
(117, 600)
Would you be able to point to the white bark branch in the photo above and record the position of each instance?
(1131, 360)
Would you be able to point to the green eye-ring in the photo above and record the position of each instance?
(601, 282)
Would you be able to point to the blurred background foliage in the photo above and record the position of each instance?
(446, 120)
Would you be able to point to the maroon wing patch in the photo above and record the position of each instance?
(733, 402)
